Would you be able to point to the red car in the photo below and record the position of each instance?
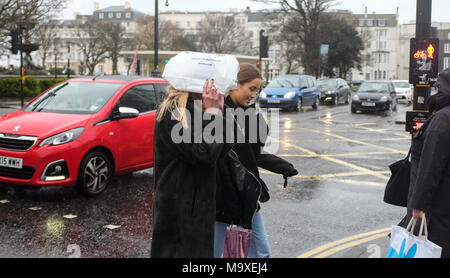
(81, 133)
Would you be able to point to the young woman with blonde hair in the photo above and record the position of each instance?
(185, 176)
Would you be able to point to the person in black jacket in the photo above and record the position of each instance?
(185, 176)
(430, 192)
(238, 199)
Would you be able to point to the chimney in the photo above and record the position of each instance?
(365, 12)
(127, 5)
(96, 6)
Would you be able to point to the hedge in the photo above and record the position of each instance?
(10, 87)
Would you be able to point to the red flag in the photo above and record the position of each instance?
(134, 65)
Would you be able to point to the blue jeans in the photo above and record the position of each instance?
(259, 245)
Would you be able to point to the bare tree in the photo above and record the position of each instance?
(170, 37)
(89, 41)
(46, 38)
(221, 34)
(114, 39)
(13, 12)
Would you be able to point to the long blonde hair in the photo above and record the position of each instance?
(175, 100)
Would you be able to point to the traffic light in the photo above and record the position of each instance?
(23, 74)
(263, 45)
(14, 41)
(258, 65)
(424, 61)
(28, 48)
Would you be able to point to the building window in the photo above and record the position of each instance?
(446, 62)
(110, 15)
(101, 15)
(118, 15)
(188, 24)
(447, 48)
(384, 75)
(382, 22)
(361, 22)
(370, 22)
(128, 15)
(367, 76)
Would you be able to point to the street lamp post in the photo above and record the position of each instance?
(156, 72)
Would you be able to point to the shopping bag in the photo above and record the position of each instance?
(188, 71)
(396, 191)
(404, 244)
(237, 242)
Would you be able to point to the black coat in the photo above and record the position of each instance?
(431, 187)
(238, 206)
(184, 194)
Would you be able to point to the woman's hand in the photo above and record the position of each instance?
(213, 100)
(417, 214)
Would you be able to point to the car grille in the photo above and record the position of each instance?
(16, 142)
(25, 173)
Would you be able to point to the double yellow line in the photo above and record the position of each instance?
(332, 248)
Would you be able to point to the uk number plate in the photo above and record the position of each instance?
(273, 101)
(370, 104)
(11, 162)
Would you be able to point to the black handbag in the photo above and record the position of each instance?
(396, 192)
(245, 180)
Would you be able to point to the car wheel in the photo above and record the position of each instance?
(347, 100)
(299, 104)
(94, 175)
(314, 106)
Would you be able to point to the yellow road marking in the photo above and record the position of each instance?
(361, 126)
(335, 155)
(328, 176)
(349, 245)
(337, 161)
(356, 238)
(355, 141)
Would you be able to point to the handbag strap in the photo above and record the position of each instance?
(412, 224)
(422, 225)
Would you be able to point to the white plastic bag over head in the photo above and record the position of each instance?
(188, 71)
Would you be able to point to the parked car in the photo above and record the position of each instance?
(290, 92)
(404, 91)
(81, 133)
(375, 96)
(333, 91)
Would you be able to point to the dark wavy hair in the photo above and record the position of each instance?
(248, 73)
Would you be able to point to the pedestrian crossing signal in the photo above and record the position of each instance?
(424, 61)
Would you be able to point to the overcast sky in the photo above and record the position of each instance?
(441, 8)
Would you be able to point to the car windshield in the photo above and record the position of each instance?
(327, 83)
(74, 98)
(285, 82)
(373, 87)
(401, 84)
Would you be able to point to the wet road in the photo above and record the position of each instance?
(342, 160)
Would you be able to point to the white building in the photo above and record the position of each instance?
(379, 33)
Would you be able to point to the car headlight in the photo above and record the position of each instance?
(384, 98)
(329, 92)
(356, 97)
(263, 94)
(63, 137)
(289, 95)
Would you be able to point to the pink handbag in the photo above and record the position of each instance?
(237, 242)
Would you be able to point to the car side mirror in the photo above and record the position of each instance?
(125, 113)
(304, 87)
